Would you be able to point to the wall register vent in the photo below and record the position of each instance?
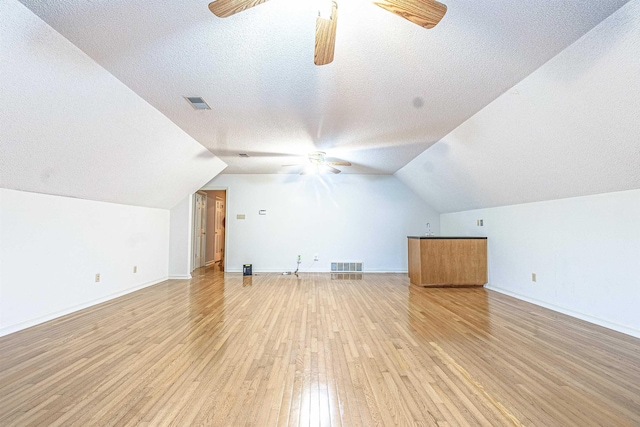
(346, 267)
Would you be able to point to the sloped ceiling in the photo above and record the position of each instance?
(571, 128)
(68, 127)
(393, 90)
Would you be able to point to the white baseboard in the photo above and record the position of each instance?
(235, 270)
(587, 318)
(180, 277)
(6, 330)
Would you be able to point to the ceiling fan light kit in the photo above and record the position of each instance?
(319, 165)
(426, 13)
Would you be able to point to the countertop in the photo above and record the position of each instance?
(445, 237)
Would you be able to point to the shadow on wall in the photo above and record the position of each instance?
(437, 179)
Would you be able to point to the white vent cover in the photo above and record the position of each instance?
(198, 103)
(346, 267)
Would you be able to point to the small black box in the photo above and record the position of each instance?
(247, 270)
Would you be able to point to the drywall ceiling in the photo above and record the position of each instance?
(393, 90)
(68, 127)
(569, 129)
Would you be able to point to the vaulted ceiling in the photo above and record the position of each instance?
(393, 90)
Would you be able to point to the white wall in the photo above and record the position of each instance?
(180, 240)
(569, 129)
(51, 247)
(340, 218)
(585, 252)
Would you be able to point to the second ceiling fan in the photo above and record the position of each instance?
(426, 13)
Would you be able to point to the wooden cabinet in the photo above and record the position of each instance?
(447, 261)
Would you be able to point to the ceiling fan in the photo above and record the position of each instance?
(426, 13)
(318, 164)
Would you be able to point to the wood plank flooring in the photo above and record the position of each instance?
(284, 351)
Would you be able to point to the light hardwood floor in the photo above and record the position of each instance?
(277, 350)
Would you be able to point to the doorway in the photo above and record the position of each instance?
(216, 228)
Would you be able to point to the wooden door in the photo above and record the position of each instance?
(218, 242)
(200, 227)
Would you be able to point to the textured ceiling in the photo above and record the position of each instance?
(68, 127)
(393, 90)
(569, 129)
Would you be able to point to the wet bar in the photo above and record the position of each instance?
(436, 261)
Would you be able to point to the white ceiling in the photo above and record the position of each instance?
(393, 90)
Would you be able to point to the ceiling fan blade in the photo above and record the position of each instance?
(332, 169)
(341, 163)
(226, 8)
(293, 164)
(326, 37)
(426, 13)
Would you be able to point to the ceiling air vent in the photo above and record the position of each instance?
(197, 103)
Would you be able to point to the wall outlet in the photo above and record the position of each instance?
(135, 268)
(534, 278)
(315, 257)
(480, 223)
(97, 277)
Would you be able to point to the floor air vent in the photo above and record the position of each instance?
(346, 267)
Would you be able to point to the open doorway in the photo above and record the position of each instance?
(216, 228)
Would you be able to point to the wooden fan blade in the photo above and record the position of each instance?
(226, 8)
(326, 37)
(341, 163)
(426, 13)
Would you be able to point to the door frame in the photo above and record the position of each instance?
(203, 242)
(226, 215)
(216, 243)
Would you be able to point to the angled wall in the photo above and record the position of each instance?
(569, 129)
(68, 127)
